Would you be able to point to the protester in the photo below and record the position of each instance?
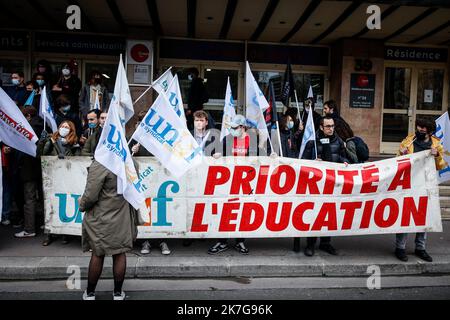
(103, 116)
(329, 148)
(44, 68)
(42, 83)
(29, 176)
(200, 130)
(139, 151)
(197, 96)
(288, 142)
(32, 87)
(89, 94)
(421, 140)
(109, 228)
(331, 109)
(240, 147)
(17, 92)
(7, 183)
(63, 111)
(69, 85)
(346, 134)
(63, 143)
(92, 134)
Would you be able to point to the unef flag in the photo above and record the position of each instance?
(112, 152)
(173, 94)
(15, 131)
(164, 134)
(228, 112)
(309, 134)
(45, 111)
(163, 82)
(256, 104)
(443, 133)
(122, 95)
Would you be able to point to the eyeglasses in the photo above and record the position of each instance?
(330, 126)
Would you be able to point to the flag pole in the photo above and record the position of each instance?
(140, 97)
(279, 138)
(298, 108)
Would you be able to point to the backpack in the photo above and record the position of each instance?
(362, 150)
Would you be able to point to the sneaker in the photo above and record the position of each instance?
(422, 254)
(6, 222)
(145, 248)
(328, 248)
(119, 296)
(218, 247)
(241, 248)
(24, 234)
(401, 255)
(164, 248)
(90, 296)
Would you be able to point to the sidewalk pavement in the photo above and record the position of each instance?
(27, 259)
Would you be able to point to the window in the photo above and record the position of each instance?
(109, 72)
(7, 66)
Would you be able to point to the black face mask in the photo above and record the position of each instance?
(420, 136)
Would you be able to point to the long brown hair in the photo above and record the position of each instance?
(71, 138)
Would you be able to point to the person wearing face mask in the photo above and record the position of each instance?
(43, 67)
(63, 143)
(288, 141)
(197, 96)
(17, 92)
(89, 94)
(69, 85)
(421, 140)
(27, 180)
(63, 111)
(329, 148)
(240, 147)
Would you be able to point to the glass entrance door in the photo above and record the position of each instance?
(409, 92)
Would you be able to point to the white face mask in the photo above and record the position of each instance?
(63, 132)
(65, 72)
(236, 132)
(190, 77)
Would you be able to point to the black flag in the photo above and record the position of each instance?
(288, 85)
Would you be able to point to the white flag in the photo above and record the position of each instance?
(45, 111)
(309, 134)
(15, 131)
(310, 92)
(173, 94)
(256, 104)
(112, 152)
(162, 83)
(122, 95)
(228, 112)
(164, 134)
(443, 133)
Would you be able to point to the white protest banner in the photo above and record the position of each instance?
(45, 111)
(166, 136)
(1, 187)
(162, 83)
(15, 131)
(112, 152)
(228, 111)
(261, 197)
(443, 133)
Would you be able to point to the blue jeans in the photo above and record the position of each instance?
(400, 240)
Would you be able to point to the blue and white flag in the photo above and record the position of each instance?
(163, 82)
(310, 92)
(173, 94)
(46, 112)
(229, 112)
(122, 95)
(112, 152)
(256, 104)
(309, 134)
(30, 99)
(443, 133)
(164, 134)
